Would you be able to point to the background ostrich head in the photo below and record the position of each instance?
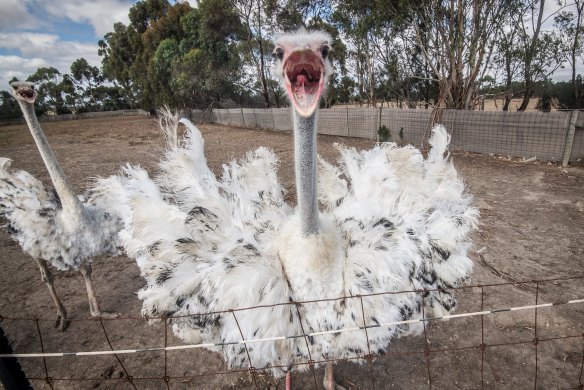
(23, 91)
(303, 67)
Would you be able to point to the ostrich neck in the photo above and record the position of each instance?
(69, 200)
(305, 160)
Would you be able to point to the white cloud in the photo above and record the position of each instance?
(19, 67)
(100, 14)
(27, 42)
(41, 50)
(29, 50)
(15, 15)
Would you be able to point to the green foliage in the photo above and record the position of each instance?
(172, 54)
(84, 81)
(563, 95)
(384, 134)
(53, 89)
(9, 108)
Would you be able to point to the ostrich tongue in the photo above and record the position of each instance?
(305, 85)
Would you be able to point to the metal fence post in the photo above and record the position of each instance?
(242, 116)
(273, 120)
(571, 130)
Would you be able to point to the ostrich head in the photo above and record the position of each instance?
(23, 91)
(303, 67)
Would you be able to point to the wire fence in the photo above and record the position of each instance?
(480, 340)
(555, 136)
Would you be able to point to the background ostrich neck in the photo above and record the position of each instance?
(69, 200)
(305, 160)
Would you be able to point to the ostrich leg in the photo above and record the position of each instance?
(94, 309)
(46, 276)
(329, 381)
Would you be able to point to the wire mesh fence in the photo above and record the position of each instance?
(540, 135)
(487, 352)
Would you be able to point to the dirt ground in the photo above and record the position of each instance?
(531, 228)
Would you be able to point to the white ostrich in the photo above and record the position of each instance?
(55, 227)
(390, 221)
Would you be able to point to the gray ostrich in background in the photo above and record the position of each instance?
(54, 227)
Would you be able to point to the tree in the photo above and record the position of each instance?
(119, 54)
(456, 39)
(255, 46)
(128, 51)
(542, 52)
(9, 108)
(356, 19)
(52, 90)
(508, 59)
(571, 27)
(86, 79)
(175, 54)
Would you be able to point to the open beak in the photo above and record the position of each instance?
(304, 80)
(24, 90)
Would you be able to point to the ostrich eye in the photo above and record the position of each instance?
(324, 52)
(279, 54)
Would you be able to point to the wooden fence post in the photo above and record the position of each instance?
(571, 130)
(242, 116)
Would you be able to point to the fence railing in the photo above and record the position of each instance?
(555, 136)
(549, 299)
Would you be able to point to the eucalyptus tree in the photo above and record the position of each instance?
(456, 40)
(570, 23)
(542, 52)
(86, 79)
(53, 88)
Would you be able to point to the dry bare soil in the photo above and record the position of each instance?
(531, 226)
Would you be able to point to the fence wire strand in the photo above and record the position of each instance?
(253, 372)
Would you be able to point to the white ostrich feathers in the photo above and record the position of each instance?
(35, 218)
(390, 221)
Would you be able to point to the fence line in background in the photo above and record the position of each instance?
(555, 136)
(364, 356)
(83, 115)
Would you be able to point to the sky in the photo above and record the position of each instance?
(43, 33)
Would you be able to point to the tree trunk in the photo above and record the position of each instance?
(529, 56)
(579, 7)
(506, 103)
(526, 95)
(265, 92)
(370, 74)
